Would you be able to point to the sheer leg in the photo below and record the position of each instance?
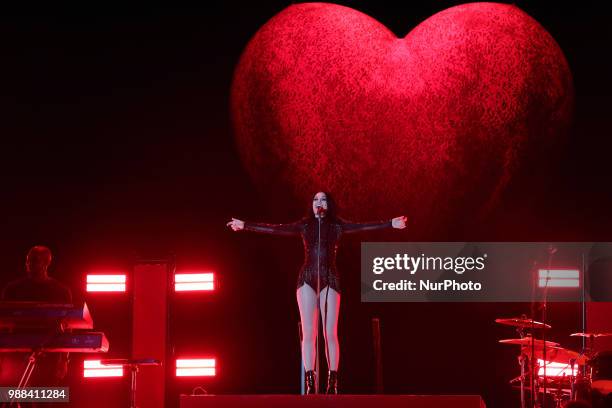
(331, 328)
(307, 303)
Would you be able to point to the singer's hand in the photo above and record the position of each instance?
(399, 222)
(236, 224)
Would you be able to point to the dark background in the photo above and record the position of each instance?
(117, 143)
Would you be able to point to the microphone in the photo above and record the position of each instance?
(320, 210)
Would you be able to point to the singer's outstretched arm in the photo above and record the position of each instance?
(397, 222)
(294, 228)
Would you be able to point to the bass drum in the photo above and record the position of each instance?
(601, 372)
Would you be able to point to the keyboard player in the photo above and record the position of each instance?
(38, 286)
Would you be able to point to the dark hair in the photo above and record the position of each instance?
(332, 207)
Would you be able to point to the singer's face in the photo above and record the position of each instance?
(319, 200)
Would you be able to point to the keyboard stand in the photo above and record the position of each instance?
(133, 365)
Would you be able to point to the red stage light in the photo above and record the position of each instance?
(93, 368)
(106, 283)
(559, 278)
(195, 367)
(556, 369)
(184, 282)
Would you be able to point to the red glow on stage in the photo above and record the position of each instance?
(184, 282)
(559, 278)
(106, 283)
(195, 367)
(93, 368)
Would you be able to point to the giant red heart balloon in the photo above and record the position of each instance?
(435, 125)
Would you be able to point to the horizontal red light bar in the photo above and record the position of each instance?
(184, 282)
(195, 367)
(559, 283)
(559, 278)
(106, 283)
(106, 287)
(93, 368)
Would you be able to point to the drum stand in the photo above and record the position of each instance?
(27, 373)
(526, 367)
(572, 380)
(535, 391)
(558, 397)
(523, 361)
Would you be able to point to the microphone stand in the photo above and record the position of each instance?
(320, 212)
(325, 309)
(317, 299)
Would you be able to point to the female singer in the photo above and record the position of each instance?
(320, 231)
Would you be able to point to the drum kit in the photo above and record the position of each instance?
(551, 371)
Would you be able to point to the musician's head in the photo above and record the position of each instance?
(325, 201)
(38, 261)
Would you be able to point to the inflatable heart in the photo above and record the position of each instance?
(436, 125)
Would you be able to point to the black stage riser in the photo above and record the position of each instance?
(354, 401)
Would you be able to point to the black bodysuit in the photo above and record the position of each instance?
(308, 228)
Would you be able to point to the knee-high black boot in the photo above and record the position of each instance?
(332, 382)
(310, 382)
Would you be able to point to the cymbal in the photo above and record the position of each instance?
(594, 335)
(522, 322)
(558, 355)
(526, 342)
